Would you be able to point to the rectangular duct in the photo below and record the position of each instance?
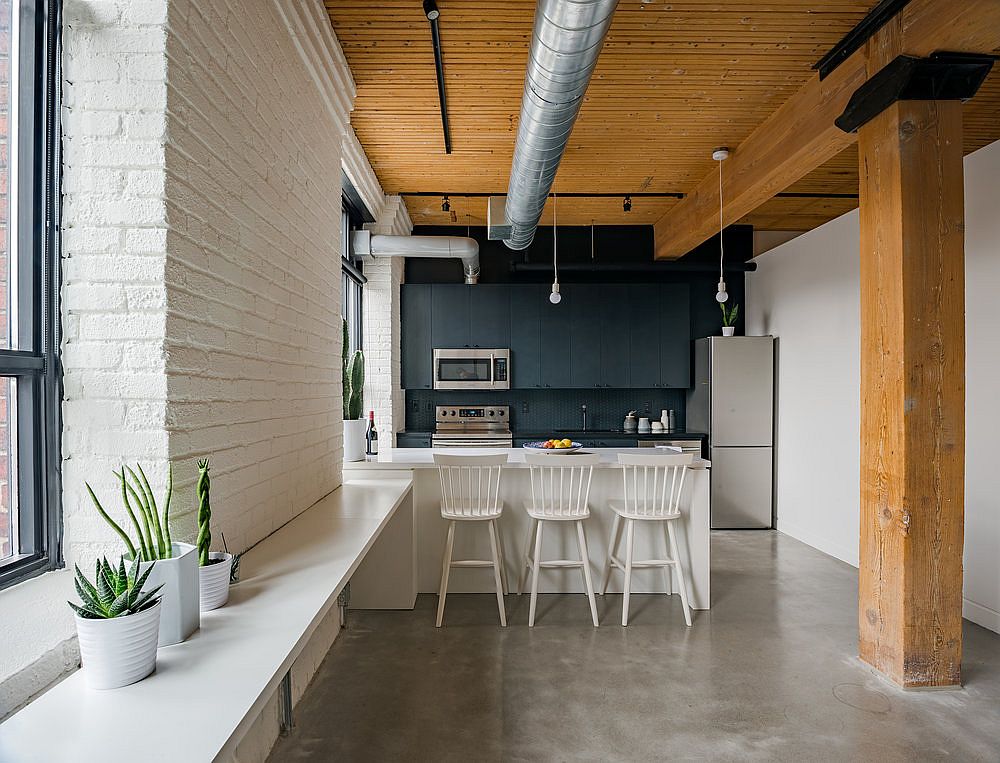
(497, 227)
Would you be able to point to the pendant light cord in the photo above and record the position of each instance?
(721, 250)
(555, 233)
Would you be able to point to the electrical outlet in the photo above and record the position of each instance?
(524, 408)
(646, 406)
(416, 406)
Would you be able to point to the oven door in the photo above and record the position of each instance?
(471, 369)
(455, 441)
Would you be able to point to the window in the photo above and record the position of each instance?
(30, 526)
(351, 287)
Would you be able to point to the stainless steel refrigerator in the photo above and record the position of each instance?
(733, 401)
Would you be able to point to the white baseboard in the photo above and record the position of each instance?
(818, 542)
(980, 615)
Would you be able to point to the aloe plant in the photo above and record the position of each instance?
(729, 316)
(152, 528)
(204, 513)
(115, 592)
(354, 378)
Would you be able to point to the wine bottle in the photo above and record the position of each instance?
(371, 436)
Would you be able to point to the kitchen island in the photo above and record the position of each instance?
(429, 528)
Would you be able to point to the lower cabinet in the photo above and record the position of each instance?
(412, 440)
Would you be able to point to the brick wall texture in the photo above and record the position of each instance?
(201, 296)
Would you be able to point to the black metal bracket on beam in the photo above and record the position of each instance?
(432, 13)
(877, 18)
(941, 77)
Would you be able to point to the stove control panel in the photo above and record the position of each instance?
(487, 414)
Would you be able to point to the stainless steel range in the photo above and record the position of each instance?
(472, 426)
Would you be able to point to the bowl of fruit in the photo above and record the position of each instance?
(561, 447)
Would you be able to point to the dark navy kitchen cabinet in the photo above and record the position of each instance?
(449, 315)
(417, 347)
(526, 306)
(583, 302)
(554, 344)
(489, 315)
(644, 335)
(413, 440)
(675, 335)
(614, 311)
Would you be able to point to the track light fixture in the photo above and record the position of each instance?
(431, 10)
(445, 204)
(627, 203)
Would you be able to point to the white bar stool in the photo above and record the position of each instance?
(560, 489)
(653, 485)
(470, 492)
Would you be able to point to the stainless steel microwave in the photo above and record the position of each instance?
(471, 369)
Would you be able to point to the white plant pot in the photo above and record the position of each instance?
(180, 597)
(119, 651)
(214, 581)
(354, 439)
(728, 330)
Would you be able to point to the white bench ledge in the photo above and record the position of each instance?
(206, 692)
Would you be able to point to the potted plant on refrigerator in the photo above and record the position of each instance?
(729, 318)
(354, 382)
(214, 567)
(177, 563)
(117, 623)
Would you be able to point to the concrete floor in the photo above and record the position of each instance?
(770, 673)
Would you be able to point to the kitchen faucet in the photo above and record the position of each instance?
(583, 409)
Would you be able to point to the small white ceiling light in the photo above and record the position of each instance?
(555, 297)
(720, 155)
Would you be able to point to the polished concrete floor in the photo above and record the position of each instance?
(769, 673)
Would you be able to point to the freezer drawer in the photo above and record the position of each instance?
(741, 488)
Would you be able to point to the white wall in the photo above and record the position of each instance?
(201, 297)
(806, 292)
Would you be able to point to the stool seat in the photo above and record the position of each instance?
(556, 514)
(470, 513)
(626, 510)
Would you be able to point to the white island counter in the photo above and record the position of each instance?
(472, 542)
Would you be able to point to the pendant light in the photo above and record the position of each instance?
(555, 298)
(720, 155)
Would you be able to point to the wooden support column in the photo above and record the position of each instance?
(912, 392)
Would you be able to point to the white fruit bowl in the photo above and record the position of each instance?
(536, 447)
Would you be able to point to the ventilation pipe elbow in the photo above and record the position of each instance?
(466, 249)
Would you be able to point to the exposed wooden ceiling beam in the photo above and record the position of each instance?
(800, 136)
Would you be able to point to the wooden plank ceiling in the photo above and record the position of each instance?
(675, 80)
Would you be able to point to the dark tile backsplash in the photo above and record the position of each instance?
(544, 409)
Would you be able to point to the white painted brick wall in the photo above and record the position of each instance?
(253, 269)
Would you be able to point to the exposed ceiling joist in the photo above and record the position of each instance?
(801, 136)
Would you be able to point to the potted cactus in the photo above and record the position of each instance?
(177, 563)
(214, 566)
(117, 623)
(354, 383)
(729, 318)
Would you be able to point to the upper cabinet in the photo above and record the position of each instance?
(611, 335)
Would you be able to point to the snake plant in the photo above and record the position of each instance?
(204, 513)
(354, 378)
(151, 528)
(729, 316)
(114, 592)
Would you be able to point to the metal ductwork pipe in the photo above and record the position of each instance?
(466, 249)
(565, 44)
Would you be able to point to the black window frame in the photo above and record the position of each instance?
(353, 278)
(35, 364)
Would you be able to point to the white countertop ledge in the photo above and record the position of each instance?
(206, 692)
(423, 458)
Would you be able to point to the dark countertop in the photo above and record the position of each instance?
(591, 433)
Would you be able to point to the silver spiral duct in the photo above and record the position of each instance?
(565, 44)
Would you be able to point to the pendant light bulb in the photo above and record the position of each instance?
(555, 298)
(722, 294)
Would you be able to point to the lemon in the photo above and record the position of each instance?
(567, 443)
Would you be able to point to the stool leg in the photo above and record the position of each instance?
(629, 538)
(503, 557)
(666, 568)
(681, 578)
(445, 569)
(527, 556)
(585, 559)
(495, 547)
(534, 573)
(616, 531)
